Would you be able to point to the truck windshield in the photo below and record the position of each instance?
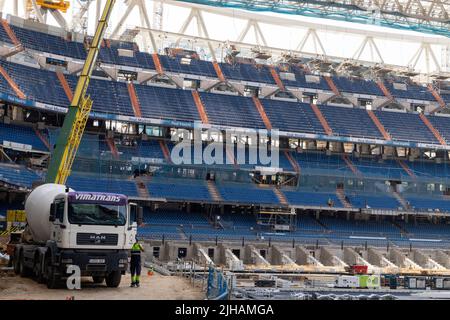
(97, 214)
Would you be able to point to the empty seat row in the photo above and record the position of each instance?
(111, 97)
(251, 72)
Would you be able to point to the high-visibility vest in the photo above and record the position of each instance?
(136, 249)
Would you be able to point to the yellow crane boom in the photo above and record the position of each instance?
(75, 121)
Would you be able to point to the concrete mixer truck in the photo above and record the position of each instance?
(91, 231)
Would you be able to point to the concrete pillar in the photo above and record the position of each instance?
(165, 253)
(376, 258)
(424, 260)
(442, 258)
(327, 258)
(402, 260)
(352, 257)
(252, 256)
(201, 256)
(228, 258)
(303, 257)
(279, 257)
(397, 257)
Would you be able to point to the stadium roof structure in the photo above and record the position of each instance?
(429, 16)
(425, 53)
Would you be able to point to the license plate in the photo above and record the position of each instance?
(96, 260)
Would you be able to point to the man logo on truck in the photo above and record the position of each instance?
(97, 238)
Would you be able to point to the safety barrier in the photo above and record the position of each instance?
(217, 285)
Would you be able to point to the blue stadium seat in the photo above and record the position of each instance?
(292, 116)
(350, 122)
(247, 72)
(167, 103)
(405, 126)
(247, 193)
(21, 134)
(311, 199)
(179, 189)
(359, 86)
(413, 91)
(98, 183)
(230, 110)
(19, 175)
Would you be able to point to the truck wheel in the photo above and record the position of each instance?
(38, 272)
(53, 279)
(98, 279)
(23, 270)
(113, 279)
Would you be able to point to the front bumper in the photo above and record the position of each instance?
(95, 262)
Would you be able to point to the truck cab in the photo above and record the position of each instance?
(87, 220)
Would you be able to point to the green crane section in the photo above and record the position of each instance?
(75, 121)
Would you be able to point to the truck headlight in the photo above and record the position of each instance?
(66, 261)
(123, 260)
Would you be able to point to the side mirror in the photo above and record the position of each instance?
(140, 216)
(52, 216)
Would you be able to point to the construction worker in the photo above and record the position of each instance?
(135, 264)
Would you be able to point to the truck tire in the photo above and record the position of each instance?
(37, 270)
(113, 279)
(53, 280)
(98, 279)
(23, 270)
